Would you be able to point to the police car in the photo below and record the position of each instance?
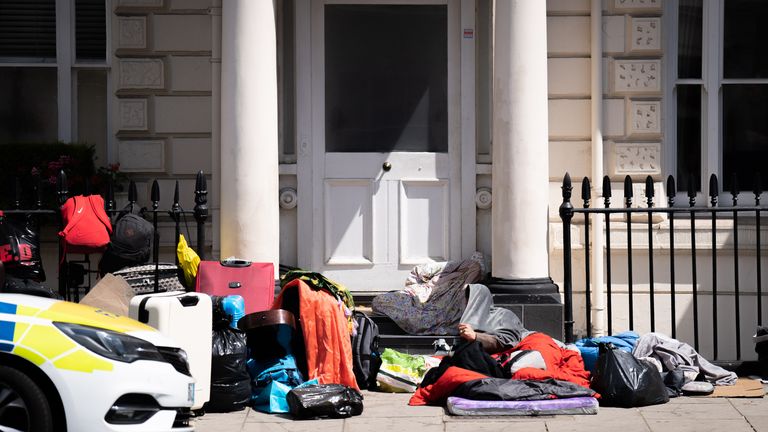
(66, 366)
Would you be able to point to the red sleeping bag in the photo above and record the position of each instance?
(255, 282)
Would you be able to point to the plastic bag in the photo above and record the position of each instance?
(400, 372)
(20, 250)
(325, 400)
(25, 286)
(230, 381)
(188, 261)
(624, 381)
(271, 382)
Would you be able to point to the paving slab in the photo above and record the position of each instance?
(607, 419)
(699, 425)
(497, 425)
(717, 411)
(297, 426)
(232, 421)
(751, 406)
(398, 424)
(758, 422)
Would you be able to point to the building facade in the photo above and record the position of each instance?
(359, 138)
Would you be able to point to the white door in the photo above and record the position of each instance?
(386, 195)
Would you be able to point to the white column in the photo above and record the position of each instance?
(249, 160)
(520, 140)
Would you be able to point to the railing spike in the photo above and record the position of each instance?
(132, 194)
(628, 191)
(16, 193)
(606, 186)
(691, 190)
(671, 191)
(61, 187)
(566, 187)
(109, 203)
(38, 181)
(757, 188)
(176, 193)
(201, 211)
(155, 195)
(649, 192)
(714, 190)
(176, 207)
(586, 191)
(734, 189)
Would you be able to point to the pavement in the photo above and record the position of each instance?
(390, 412)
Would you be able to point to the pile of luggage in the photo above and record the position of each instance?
(290, 354)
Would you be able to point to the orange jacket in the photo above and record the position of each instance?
(326, 335)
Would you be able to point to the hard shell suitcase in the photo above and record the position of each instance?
(255, 282)
(187, 319)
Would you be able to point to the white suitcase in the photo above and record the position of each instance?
(187, 319)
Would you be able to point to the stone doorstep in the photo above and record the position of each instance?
(546, 318)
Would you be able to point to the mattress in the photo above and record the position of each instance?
(568, 406)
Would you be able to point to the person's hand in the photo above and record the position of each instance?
(467, 332)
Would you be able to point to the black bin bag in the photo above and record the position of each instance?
(230, 382)
(624, 381)
(325, 400)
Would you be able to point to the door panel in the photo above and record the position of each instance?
(424, 200)
(349, 221)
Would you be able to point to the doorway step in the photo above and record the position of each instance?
(537, 312)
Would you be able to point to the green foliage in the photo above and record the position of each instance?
(29, 161)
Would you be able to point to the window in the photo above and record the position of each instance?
(391, 93)
(719, 91)
(54, 72)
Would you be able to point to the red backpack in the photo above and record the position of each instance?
(86, 224)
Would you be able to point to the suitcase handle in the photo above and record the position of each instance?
(235, 263)
(188, 301)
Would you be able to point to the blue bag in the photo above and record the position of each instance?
(588, 347)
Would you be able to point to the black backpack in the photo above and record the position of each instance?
(130, 245)
(366, 358)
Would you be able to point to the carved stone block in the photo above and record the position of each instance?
(637, 5)
(132, 32)
(644, 117)
(637, 159)
(645, 35)
(141, 156)
(141, 73)
(133, 114)
(637, 76)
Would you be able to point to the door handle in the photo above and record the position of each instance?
(386, 166)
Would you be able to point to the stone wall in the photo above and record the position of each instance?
(161, 101)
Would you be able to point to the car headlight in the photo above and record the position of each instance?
(111, 344)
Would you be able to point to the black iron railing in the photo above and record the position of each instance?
(676, 218)
(38, 215)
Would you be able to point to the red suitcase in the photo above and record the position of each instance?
(255, 282)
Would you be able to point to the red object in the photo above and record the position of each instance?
(327, 344)
(86, 224)
(562, 363)
(438, 392)
(255, 282)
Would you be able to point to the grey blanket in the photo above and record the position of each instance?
(674, 354)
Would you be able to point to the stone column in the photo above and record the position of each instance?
(249, 154)
(520, 151)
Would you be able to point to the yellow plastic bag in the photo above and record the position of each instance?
(188, 261)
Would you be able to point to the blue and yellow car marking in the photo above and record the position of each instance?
(42, 342)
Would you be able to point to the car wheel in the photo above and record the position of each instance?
(23, 405)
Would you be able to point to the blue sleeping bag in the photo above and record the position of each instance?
(588, 346)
